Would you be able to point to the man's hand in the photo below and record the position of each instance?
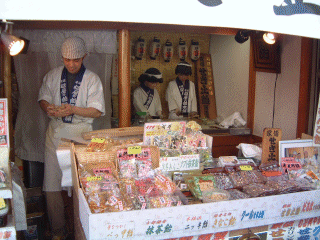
(63, 110)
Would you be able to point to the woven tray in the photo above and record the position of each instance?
(113, 132)
(85, 157)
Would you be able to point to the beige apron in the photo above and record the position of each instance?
(56, 130)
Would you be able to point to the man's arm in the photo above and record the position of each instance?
(47, 107)
(67, 109)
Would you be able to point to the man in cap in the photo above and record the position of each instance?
(72, 96)
(181, 94)
(146, 97)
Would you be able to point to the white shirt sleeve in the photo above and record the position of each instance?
(193, 107)
(158, 107)
(45, 89)
(138, 101)
(170, 96)
(96, 95)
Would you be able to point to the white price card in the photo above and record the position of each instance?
(196, 222)
(160, 226)
(182, 163)
(189, 162)
(121, 230)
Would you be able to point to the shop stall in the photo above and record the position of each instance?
(281, 212)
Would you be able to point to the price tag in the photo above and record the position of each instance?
(134, 150)
(2, 203)
(94, 178)
(245, 167)
(98, 140)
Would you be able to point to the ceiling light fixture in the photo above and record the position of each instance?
(13, 44)
(269, 38)
(243, 35)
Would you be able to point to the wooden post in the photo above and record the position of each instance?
(8, 94)
(124, 78)
(304, 89)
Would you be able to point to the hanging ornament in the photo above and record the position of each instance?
(168, 51)
(195, 51)
(139, 49)
(155, 48)
(183, 51)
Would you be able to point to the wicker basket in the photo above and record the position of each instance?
(114, 132)
(85, 157)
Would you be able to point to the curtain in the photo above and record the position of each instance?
(42, 56)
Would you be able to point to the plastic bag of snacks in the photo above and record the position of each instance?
(236, 194)
(258, 190)
(164, 184)
(140, 202)
(215, 195)
(164, 201)
(199, 183)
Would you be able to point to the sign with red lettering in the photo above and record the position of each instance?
(289, 163)
(4, 131)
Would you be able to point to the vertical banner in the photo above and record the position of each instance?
(115, 73)
(270, 144)
(4, 130)
(205, 87)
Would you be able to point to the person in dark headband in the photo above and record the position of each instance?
(146, 97)
(181, 94)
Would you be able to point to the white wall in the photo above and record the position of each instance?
(287, 92)
(231, 73)
(230, 63)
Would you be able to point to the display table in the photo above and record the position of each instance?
(190, 220)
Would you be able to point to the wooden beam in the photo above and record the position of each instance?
(251, 89)
(124, 78)
(305, 84)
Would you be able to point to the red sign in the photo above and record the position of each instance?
(4, 137)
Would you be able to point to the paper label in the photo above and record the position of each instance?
(102, 170)
(290, 164)
(161, 178)
(245, 168)
(134, 150)
(2, 203)
(94, 178)
(141, 199)
(98, 140)
(182, 163)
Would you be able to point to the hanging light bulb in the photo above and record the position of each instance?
(167, 51)
(269, 38)
(14, 44)
(195, 51)
(183, 51)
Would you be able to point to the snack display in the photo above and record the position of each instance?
(129, 180)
